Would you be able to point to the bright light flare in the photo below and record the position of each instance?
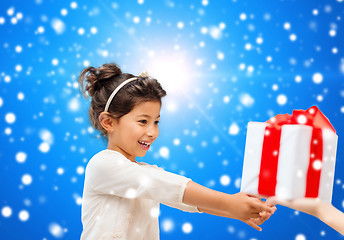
(172, 72)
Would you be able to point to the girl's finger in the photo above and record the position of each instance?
(254, 215)
(264, 207)
(265, 216)
(251, 195)
(257, 221)
(252, 224)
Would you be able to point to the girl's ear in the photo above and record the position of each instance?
(107, 122)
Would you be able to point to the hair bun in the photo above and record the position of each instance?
(108, 70)
(95, 77)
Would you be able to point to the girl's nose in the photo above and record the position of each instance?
(153, 132)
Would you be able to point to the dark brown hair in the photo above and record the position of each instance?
(102, 81)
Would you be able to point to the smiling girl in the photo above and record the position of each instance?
(121, 196)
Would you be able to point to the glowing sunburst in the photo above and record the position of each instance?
(173, 72)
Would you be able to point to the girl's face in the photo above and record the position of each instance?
(136, 131)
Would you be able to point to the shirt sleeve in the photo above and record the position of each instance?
(110, 174)
(181, 206)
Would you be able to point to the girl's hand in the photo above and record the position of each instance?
(262, 218)
(250, 209)
(247, 208)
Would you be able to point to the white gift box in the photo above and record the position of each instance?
(294, 156)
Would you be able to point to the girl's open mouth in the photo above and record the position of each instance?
(144, 145)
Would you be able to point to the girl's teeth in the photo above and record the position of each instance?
(145, 144)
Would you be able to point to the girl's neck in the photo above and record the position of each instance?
(131, 158)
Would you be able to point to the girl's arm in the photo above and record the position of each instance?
(239, 206)
(322, 210)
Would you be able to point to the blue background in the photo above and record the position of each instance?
(235, 61)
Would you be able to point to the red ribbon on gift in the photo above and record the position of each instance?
(269, 161)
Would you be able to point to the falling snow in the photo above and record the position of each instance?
(187, 228)
(225, 180)
(226, 64)
(317, 78)
(58, 25)
(282, 99)
(300, 237)
(56, 230)
(164, 152)
(234, 129)
(6, 212)
(21, 157)
(24, 215)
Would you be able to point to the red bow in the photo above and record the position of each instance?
(311, 117)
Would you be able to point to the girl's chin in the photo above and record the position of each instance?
(141, 154)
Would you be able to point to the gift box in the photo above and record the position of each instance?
(290, 156)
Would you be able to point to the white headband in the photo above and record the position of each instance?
(143, 74)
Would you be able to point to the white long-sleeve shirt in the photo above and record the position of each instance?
(121, 198)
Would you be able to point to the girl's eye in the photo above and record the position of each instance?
(143, 121)
(156, 122)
